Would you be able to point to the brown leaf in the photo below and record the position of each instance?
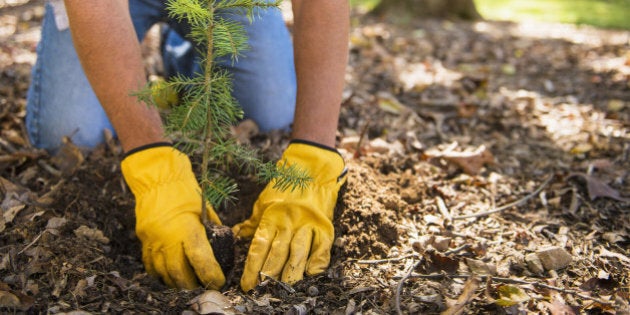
(212, 302)
(596, 283)
(9, 300)
(69, 158)
(470, 162)
(91, 234)
(597, 188)
(479, 267)
(15, 300)
(467, 295)
(15, 199)
(244, 131)
(439, 262)
(14, 136)
(559, 307)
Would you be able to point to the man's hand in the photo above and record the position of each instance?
(168, 209)
(292, 229)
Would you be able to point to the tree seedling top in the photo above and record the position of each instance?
(207, 110)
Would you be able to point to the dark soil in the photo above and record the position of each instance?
(441, 122)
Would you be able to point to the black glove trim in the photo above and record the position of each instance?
(315, 144)
(147, 146)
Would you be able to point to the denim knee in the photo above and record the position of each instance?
(60, 101)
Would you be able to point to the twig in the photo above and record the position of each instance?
(6, 145)
(510, 281)
(379, 261)
(444, 210)
(509, 205)
(364, 130)
(457, 250)
(33, 242)
(284, 285)
(408, 272)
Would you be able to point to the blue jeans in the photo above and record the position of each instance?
(60, 101)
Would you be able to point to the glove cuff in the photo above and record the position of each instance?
(325, 164)
(147, 146)
(315, 144)
(150, 166)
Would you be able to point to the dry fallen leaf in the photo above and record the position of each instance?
(14, 201)
(9, 300)
(468, 293)
(212, 302)
(245, 130)
(56, 223)
(596, 283)
(470, 162)
(558, 306)
(14, 300)
(479, 267)
(597, 188)
(440, 263)
(69, 158)
(511, 295)
(91, 234)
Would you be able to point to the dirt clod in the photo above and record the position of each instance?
(222, 241)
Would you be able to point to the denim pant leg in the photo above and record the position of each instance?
(60, 100)
(264, 76)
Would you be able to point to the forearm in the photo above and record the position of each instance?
(106, 43)
(321, 54)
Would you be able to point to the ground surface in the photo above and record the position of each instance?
(440, 122)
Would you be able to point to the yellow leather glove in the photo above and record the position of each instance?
(168, 209)
(293, 230)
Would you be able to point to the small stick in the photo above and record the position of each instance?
(284, 285)
(509, 205)
(33, 242)
(400, 285)
(444, 210)
(457, 250)
(357, 153)
(379, 261)
(40, 162)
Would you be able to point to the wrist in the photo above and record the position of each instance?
(325, 138)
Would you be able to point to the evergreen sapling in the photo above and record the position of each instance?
(202, 120)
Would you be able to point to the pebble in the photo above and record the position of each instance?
(312, 291)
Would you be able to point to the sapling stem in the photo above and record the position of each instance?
(205, 159)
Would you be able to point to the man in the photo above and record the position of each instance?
(292, 231)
